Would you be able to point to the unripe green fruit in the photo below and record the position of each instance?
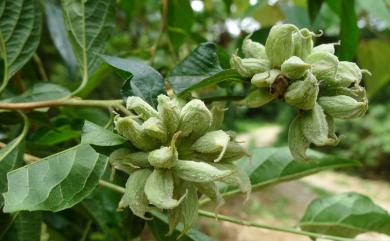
(213, 142)
(253, 49)
(218, 114)
(195, 118)
(279, 45)
(247, 67)
(135, 194)
(129, 128)
(125, 160)
(155, 128)
(257, 97)
(169, 112)
(165, 157)
(294, 68)
(140, 107)
(265, 79)
(297, 142)
(325, 48)
(324, 66)
(303, 93)
(342, 106)
(303, 43)
(159, 189)
(194, 171)
(348, 73)
(315, 127)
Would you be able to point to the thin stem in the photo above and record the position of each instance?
(9, 224)
(41, 69)
(61, 102)
(84, 81)
(86, 231)
(111, 186)
(163, 29)
(208, 214)
(274, 228)
(3, 52)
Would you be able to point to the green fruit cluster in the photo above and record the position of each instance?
(177, 151)
(309, 78)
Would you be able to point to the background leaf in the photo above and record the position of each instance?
(89, 24)
(345, 215)
(56, 182)
(97, 135)
(314, 7)
(349, 31)
(20, 32)
(28, 226)
(198, 65)
(180, 20)
(140, 79)
(272, 165)
(40, 92)
(56, 26)
(373, 55)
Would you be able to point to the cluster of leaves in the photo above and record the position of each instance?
(52, 197)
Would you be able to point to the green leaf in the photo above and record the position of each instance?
(20, 31)
(345, 215)
(101, 206)
(56, 26)
(56, 182)
(229, 75)
(180, 20)
(159, 228)
(373, 55)
(349, 31)
(28, 226)
(11, 157)
(97, 135)
(89, 25)
(273, 165)
(57, 135)
(140, 79)
(200, 64)
(314, 7)
(40, 92)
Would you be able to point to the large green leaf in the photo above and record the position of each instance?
(97, 135)
(345, 215)
(349, 31)
(89, 24)
(20, 31)
(40, 92)
(200, 64)
(273, 165)
(56, 27)
(373, 55)
(11, 157)
(140, 79)
(159, 228)
(56, 182)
